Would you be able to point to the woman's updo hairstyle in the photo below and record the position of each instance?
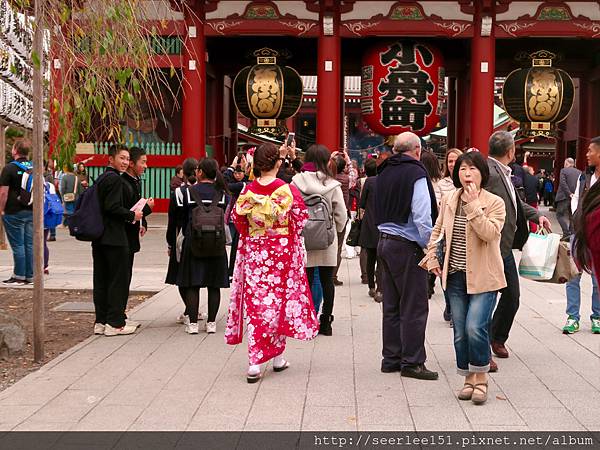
(265, 157)
(189, 167)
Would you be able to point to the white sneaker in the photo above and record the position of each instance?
(112, 331)
(211, 327)
(191, 328)
(185, 320)
(99, 328)
(133, 323)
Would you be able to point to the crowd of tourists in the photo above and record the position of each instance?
(288, 220)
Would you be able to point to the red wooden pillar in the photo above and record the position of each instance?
(194, 84)
(483, 65)
(215, 116)
(329, 76)
(451, 114)
(462, 112)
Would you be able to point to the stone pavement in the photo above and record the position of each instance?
(163, 379)
(71, 261)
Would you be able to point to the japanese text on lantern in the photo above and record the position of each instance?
(406, 88)
(266, 97)
(544, 97)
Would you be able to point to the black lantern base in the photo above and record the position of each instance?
(538, 129)
(270, 127)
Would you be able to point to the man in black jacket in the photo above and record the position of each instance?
(111, 252)
(132, 193)
(514, 235)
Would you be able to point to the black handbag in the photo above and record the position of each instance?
(354, 234)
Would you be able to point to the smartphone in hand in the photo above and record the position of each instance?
(290, 138)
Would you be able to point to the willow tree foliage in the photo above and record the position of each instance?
(103, 51)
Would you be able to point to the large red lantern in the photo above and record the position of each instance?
(401, 88)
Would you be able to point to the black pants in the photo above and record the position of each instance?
(192, 303)
(563, 215)
(405, 304)
(111, 283)
(340, 237)
(363, 264)
(372, 274)
(326, 278)
(129, 276)
(235, 238)
(508, 305)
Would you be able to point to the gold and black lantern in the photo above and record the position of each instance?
(267, 93)
(538, 97)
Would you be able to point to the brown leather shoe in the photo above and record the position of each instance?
(493, 366)
(499, 350)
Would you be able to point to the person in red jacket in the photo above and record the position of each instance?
(587, 222)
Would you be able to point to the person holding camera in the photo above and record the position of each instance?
(270, 288)
(291, 164)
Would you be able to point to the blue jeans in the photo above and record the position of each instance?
(471, 314)
(69, 208)
(317, 291)
(573, 289)
(19, 231)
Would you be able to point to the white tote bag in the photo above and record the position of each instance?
(539, 257)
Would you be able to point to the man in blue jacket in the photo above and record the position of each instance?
(406, 210)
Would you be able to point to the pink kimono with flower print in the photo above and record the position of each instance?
(269, 286)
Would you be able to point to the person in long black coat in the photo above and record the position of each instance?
(203, 272)
(369, 234)
(175, 227)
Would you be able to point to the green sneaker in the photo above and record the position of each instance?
(572, 326)
(595, 325)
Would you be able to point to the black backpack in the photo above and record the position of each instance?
(24, 196)
(86, 223)
(207, 227)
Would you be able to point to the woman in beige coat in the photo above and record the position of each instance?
(316, 178)
(471, 269)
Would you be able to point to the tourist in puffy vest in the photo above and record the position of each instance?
(406, 209)
(270, 289)
(316, 178)
(208, 272)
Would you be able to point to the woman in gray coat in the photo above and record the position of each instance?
(316, 178)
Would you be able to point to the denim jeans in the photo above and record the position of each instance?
(573, 289)
(317, 291)
(471, 314)
(69, 209)
(19, 231)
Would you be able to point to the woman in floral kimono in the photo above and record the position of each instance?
(269, 280)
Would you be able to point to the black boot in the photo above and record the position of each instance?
(325, 327)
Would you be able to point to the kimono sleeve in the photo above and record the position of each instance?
(298, 213)
(240, 221)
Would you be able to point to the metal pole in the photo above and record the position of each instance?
(3, 127)
(38, 185)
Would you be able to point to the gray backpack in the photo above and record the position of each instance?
(319, 231)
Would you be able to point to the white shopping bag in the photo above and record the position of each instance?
(539, 257)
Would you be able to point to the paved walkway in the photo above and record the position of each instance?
(71, 261)
(163, 379)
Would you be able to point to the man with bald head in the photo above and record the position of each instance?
(406, 210)
(566, 188)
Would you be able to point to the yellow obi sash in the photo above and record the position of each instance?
(267, 214)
